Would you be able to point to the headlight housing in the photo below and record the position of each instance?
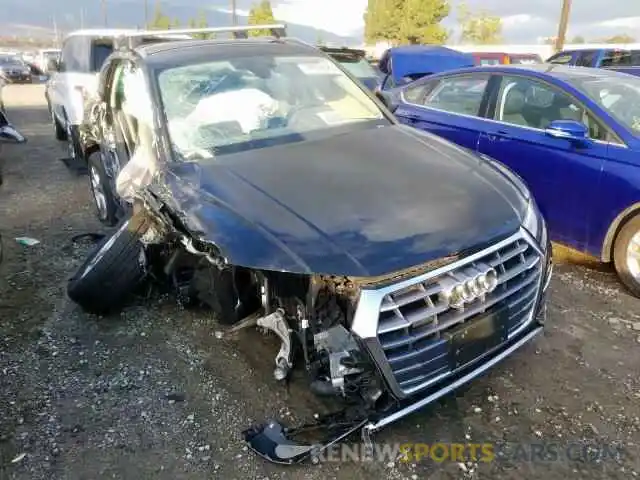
(535, 224)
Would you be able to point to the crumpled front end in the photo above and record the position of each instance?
(430, 332)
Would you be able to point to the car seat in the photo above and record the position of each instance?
(513, 106)
(562, 109)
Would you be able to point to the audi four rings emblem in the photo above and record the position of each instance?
(465, 286)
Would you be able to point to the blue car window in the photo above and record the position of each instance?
(616, 58)
(460, 94)
(416, 93)
(586, 58)
(529, 103)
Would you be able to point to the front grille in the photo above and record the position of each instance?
(413, 320)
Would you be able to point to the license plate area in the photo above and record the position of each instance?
(476, 337)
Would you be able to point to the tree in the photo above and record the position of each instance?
(578, 39)
(421, 22)
(200, 21)
(622, 38)
(260, 14)
(479, 27)
(160, 21)
(406, 21)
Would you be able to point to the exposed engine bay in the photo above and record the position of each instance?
(309, 315)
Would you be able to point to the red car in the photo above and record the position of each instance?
(501, 58)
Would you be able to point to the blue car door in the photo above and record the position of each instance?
(563, 178)
(449, 107)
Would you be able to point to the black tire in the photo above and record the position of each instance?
(59, 131)
(112, 271)
(107, 214)
(620, 255)
(73, 143)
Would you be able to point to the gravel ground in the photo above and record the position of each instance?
(152, 393)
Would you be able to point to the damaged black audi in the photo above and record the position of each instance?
(268, 184)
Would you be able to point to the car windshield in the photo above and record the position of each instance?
(228, 106)
(619, 96)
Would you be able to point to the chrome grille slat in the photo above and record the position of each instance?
(459, 317)
(416, 366)
(403, 321)
(413, 321)
(404, 299)
(509, 255)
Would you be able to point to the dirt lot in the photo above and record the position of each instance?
(152, 393)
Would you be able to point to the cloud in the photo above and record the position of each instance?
(631, 23)
(343, 17)
(239, 11)
(523, 21)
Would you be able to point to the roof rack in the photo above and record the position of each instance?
(276, 30)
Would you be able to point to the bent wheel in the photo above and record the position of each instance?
(103, 197)
(626, 255)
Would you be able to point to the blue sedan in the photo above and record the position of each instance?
(572, 134)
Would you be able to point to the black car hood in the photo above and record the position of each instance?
(365, 203)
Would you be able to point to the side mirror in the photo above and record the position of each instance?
(385, 98)
(572, 130)
(8, 134)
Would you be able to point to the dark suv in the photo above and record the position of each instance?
(266, 184)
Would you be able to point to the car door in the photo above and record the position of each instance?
(447, 106)
(562, 177)
(113, 148)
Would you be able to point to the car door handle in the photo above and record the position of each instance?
(499, 135)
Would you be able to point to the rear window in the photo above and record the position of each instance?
(100, 50)
(358, 67)
(617, 58)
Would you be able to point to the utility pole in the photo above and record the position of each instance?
(146, 14)
(55, 32)
(104, 11)
(562, 27)
(82, 18)
(234, 16)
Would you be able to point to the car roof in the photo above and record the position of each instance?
(184, 52)
(561, 72)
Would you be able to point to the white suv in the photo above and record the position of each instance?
(76, 79)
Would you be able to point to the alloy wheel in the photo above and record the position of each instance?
(71, 148)
(97, 189)
(633, 257)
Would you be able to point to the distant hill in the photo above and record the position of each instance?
(36, 17)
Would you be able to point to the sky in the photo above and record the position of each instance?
(523, 20)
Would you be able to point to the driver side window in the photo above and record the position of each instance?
(533, 104)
